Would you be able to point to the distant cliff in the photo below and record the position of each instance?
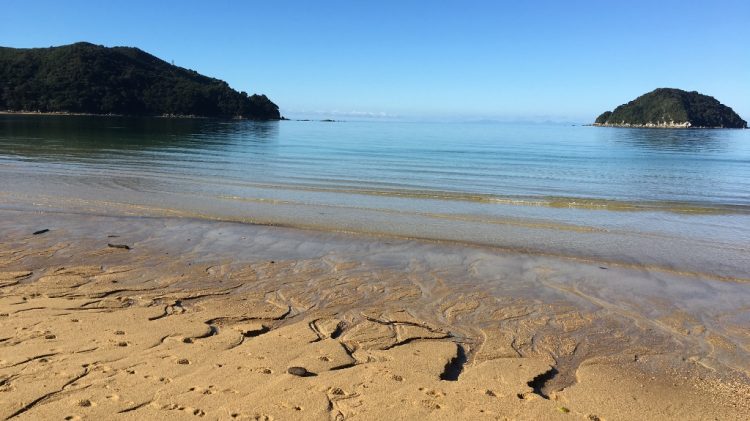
(672, 108)
(92, 79)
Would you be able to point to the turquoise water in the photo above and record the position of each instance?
(642, 196)
(463, 161)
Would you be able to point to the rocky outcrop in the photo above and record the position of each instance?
(672, 108)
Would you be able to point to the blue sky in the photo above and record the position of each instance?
(560, 60)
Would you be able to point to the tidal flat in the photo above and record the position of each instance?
(211, 319)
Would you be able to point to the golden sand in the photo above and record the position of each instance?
(192, 321)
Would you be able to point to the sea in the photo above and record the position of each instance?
(669, 199)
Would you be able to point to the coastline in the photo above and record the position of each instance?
(175, 116)
(685, 125)
(436, 230)
(204, 318)
(576, 234)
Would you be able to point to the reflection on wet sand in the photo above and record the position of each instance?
(208, 319)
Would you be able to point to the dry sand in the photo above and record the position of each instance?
(201, 319)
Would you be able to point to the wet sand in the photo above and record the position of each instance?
(205, 319)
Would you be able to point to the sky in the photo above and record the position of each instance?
(473, 60)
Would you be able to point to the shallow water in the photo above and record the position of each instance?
(677, 200)
(496, 304)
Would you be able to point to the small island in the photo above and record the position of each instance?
(84, 78)
(672, 108)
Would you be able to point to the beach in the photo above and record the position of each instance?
(345, 211)
(173, 318)
(171, 269)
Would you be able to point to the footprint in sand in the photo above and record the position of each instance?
(337, 391)
(203, 391)
(429, 404)
(190, 410)
(195, 411)
(254, 417)
(432, 392)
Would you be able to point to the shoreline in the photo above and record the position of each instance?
(163, 116)
(715, 256)
(212, 315)
(661, 126)
(384, 237)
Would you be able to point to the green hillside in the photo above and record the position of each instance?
(88, 78)
(666, 107)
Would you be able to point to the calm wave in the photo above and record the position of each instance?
(522, 164)
(676, 198)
